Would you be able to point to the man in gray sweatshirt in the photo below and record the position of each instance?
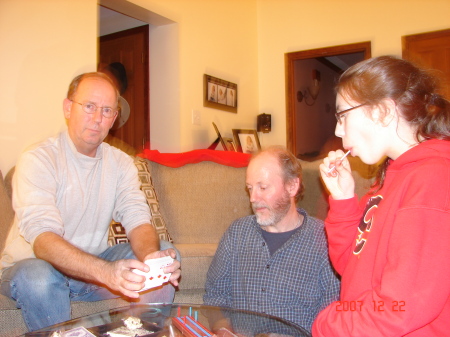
(66, 191)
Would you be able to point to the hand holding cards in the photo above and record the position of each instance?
(156, 276)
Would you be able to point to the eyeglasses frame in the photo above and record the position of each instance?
(96, 108)
(343, 112)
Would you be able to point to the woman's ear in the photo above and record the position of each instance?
(385, 112)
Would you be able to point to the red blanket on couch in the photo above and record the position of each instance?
(228, 158)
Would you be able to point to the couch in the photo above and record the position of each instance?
(199, 193)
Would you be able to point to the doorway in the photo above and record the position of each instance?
(125, 57)
(310, 99)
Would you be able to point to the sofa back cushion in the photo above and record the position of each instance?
(199, 201)
(6, 213)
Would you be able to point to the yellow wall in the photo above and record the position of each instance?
(291, 25)
(54, 40)
(218, 38)
(45, 43)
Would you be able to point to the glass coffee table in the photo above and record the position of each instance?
(178, 320)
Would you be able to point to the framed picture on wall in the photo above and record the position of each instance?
(246, 141)
(219, 94)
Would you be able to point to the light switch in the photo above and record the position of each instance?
(196, 117)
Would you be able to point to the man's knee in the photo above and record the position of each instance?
(118, 252)
(34, 276)
(34, 270)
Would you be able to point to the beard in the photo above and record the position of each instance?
(276, 213)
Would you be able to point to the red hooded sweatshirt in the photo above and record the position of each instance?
(393, 252)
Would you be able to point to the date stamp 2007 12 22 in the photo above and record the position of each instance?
(376, 306)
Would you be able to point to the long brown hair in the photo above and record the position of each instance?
(414, 90)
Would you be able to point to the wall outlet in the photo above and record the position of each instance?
(196, 117)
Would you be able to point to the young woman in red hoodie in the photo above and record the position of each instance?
(391, 247)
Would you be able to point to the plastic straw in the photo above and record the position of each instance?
(334, 166)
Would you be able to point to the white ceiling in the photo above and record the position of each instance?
(111, 21)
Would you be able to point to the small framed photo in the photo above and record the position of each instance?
(246, 141)
(219, 94)
(219, 138)
(230, 144)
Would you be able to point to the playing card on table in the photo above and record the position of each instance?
(156, 276)
(78, 332)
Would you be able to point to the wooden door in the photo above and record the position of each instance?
(431, 50)
(131, 48)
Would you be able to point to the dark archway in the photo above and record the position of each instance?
(296, 99)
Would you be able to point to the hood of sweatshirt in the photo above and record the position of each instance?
(434, 148)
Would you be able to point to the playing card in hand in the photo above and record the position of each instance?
(156, 276)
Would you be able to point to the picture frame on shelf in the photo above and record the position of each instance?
(230, 144)
(219, 94)
(246, 141)
(223, 141)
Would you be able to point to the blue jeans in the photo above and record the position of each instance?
(44, 294)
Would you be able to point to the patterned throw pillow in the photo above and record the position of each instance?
(117, 232)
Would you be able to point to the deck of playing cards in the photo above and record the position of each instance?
(156, 276)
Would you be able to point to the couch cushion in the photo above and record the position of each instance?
(6, 213)
(199, 201)
(117, 233)
(195, 262)
(196, 249)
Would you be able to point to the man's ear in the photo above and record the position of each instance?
(293, 186)
(67, 107)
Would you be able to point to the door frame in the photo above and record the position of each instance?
(290, 59)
